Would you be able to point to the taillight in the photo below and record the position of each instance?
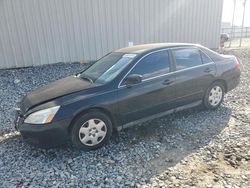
(237, 65)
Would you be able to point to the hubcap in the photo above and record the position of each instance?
(215, 95)
(92, 132)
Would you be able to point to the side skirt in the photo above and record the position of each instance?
(140, 121)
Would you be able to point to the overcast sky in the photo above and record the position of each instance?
(228, 12)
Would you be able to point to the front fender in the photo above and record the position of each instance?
(105, 101)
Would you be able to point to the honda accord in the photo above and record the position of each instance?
(127, 86)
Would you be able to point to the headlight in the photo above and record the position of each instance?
(42, 116)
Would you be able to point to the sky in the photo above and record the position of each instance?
(228, 12)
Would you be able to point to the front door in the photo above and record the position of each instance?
(156, 92)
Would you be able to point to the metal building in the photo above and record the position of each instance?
(36, 32)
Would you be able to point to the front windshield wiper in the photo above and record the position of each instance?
(86, 78)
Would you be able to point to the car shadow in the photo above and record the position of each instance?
(178, 134)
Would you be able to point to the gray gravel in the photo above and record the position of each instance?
(191, 148)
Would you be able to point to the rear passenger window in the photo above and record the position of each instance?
(205, 58)
(186, 58)
(152, 65)
(212, 54)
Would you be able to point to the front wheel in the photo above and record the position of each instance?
(214, 95)
(91, 131)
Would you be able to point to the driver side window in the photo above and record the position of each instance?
(153, 65)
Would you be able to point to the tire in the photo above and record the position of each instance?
(91, 131)
(214, 96)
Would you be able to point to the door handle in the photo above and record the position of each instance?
(208, 70)
(167, 82)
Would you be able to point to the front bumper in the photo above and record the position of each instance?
(45, 136)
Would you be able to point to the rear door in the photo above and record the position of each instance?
(208, 72)
(156, 92)
(194, 73)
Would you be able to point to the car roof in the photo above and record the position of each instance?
(138, 49)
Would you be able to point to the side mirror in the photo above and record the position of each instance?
(133, 79)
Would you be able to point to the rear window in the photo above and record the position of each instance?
(186, 58)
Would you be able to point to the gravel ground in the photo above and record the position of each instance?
(192, 148)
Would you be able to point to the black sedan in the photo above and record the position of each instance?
(123, 88)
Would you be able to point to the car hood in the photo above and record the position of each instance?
(53, 90)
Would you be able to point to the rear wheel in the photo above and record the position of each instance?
(91, 131)
(214, 95)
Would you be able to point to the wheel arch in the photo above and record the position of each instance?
(99, 109)
(223, 82)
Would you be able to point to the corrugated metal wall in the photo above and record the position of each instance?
(35, 32)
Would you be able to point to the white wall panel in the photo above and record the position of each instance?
(36, 32)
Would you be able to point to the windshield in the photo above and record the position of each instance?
(107, 68)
